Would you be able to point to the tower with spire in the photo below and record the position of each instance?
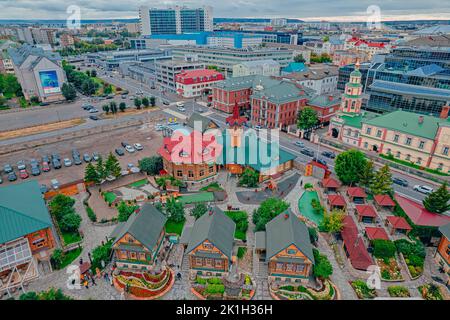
(352, 97)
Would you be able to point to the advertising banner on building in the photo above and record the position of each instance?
(49, 81)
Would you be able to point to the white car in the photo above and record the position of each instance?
(67, 162)
(423, 189)
(93, 110)
(130, 149)
(182, 109)
(159, 127)
(138, 146)
(180, 104)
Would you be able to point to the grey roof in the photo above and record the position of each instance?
(205, 122)
(19, 55)
(260, 240)
(281, 232)
(426, 71)
(217, 228)
(257, 63)
(324, 101)
(445, 230)
(402, 88)
(145, 226)
(186, 235)
(434, 30)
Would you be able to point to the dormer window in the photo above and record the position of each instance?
(184, 154)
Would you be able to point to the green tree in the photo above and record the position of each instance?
(249, 178)
(137, 103)
(332, 222)
(313, 234)
(70, 222)
(199, 210)
(438, 201)
(125, 211)
(57, 258)
(113, 107)
(383, 249)
(107, 89)
(89, 86)
(145, 102)
(299, 58)
(175, 210)
(307, 118)
(68, 91)
(367, 174)
(268, 210)
(122, 106)
(382, 182)
(152, 101)
(100, 169)
(112, 166)
(50, 294)
(322, 267)
(348, 164)
(61, 205)
(105, 108)
(91, 174)
(151, 165)
(99, 254)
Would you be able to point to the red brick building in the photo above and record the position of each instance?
(326, 107)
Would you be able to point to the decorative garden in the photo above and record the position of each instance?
(291, 292)
(221, 288)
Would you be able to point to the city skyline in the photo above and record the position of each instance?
(350, 11)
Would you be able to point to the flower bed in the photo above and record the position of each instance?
(430, 292)
(214, 288)
(390, 270)
(398, 291)
(290, 292)
(362, 290)
(142, 285)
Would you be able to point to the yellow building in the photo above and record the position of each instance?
(420, 139)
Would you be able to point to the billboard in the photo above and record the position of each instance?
(49, 81)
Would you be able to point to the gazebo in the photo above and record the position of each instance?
(336, 201)
(397, 225)
(366, 213)
(375, 233)
(330, 185)
(356, 194)
(384, 201)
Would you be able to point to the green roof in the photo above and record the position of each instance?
(145, 226)
(324, 101)
(217, 228)
(22, 211)
(356, 73)
(356, 120)
(408, 122)
(284, 230)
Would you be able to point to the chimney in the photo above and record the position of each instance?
(286, 215)
(420, 119)
(445, 111)
(330, 98)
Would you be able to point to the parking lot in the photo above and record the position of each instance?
(101, 143)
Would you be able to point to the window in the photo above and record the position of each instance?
(445, 151)
(368, 130)
(419, 160)
(421, 144)
(279, 266)
(366, 145)
(211, 169)
(379, 133)
(199, 261)
(408, 141)
(202, 172)
(190, 174)
(291, 251)
(398, 154)
(396, 138)
(290, 267)
(440, 166)
(408, 157)
(179, 173)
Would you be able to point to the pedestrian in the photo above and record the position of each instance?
(86, 284)
(93, 281)
(111, 281)
(301, 183)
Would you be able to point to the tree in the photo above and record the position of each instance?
(367, 174)
(112, 166)
(61, 205)
(68, 91)
(322, 267)
(113, 107)
(100, 169)
(307, 118)
(151, 165)
(332, 222)
(348, 164)
(93, 73)
(105, 108)
(438, 201)
(152, 101)
(249, 178)
(268, 210)
(199, 210)
(313, 235)
(91, 174)
(89, 86)
(137, 103)
(125, 211)
(383, 249)
(122, 106)
(145, 102)
(175, 210)
(299, 58)
(107, 89)
(382, 182)
(57, 258)
(70, 222)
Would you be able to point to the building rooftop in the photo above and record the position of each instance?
(356, 120)
(325, 101)
(419, 215)
(445, 230)
(398, 222)
(402, 88)
(19, 55)
(366, 210)
(357, 251)
(314, 73)
(376, 233)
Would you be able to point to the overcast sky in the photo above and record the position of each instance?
(348, 10)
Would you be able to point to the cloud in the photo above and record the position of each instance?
(303, 9)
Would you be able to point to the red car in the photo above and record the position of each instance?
(23, 174)
(45, 167)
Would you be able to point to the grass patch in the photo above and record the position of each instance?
(241, 252)
(138, 184)
(412, 165)
(71, 237)
(212, 187)
(174, 227)
(196, 198)
(241, 220)
(70, 256)
(110, 197)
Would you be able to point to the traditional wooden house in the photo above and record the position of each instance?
(336, 202)
(26, 235)
(397, 225)
(138, 241)
(384, 201)
(365, 213)
(356, 194)
(442, 255)
(330, 185)
(287, 247)
(210, 244)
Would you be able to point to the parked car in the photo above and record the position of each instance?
(299, 144)
(93, 110)
(124, 144)
(119, 151)
(423, 189)
(55, 184)
(87, 106)
(23, 174)
(56, 156)
(165, 102)
(21, 165)
(43, 188)
(7, 168)
(87, 157)
(181, 109)
(12, 176)
(400, 181)
(94, 118)
(45, 167)
(75, 153)
(77, 161)
(307, 152)
(67, 162)
(34, 163)
(56, 163)
(138, 146)
(320, 160)
(180, 104)
(95, 156)
(45, 159)
(329, 154)
(35, 171)
(130, 148)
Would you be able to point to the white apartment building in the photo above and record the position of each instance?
(257, 67)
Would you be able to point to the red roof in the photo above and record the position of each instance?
(336, 200)
(330, 183)
(198, 76)
(356, 192)
(374, 233)
(419, 215)
(356, 249)
(235, 118)
(366, 210)
(384, 200)
(398, 222)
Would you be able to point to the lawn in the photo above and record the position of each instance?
(212, 187)
(70, 256)
(196, 197)
(174, 227)
(138, 184)
(70, 238)
(241, 252)
(241, 220)
(110, 197)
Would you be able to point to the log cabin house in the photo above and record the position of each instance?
(442, 255)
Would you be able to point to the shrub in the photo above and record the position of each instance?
(383, 249)
(200, 280)
(398, 291)
(362, 290)
(214, 281)
(70, 222)
(322, 268)
(91, 214)
(309, 186)
(57, 258)
(215, 289)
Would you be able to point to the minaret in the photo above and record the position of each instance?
(352, 97)
(235, 121)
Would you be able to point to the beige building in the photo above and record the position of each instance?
(257, 67)
(420, 139)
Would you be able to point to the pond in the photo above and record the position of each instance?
(305, 208)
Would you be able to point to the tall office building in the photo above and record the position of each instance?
(175, 20)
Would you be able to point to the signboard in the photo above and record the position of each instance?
(49, 81)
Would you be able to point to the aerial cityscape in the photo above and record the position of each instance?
(242, 151)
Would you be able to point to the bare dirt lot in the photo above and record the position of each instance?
(101, 143)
